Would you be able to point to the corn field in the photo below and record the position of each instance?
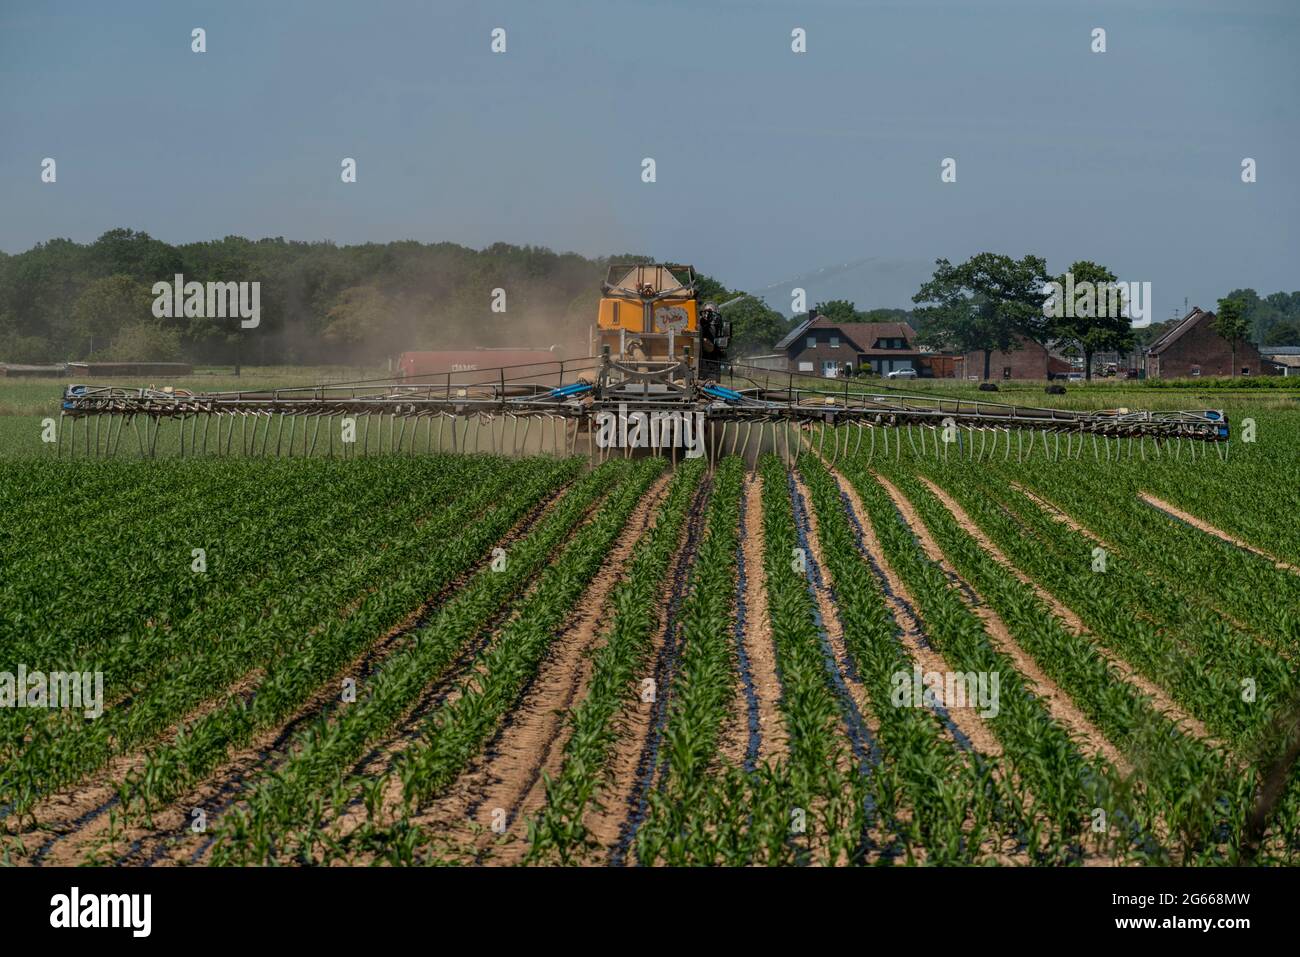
(857, 659)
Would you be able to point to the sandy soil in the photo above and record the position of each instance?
(1059, 705)
(508, 776)
(911, 630)
(773, 740)
(606, 821)
(1163, 703)
(1204, 526)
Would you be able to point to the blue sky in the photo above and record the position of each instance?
(770, 164)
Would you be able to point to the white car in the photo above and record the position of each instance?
(1075, 377)
(901, 374)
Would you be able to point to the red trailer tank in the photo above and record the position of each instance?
(479, 365)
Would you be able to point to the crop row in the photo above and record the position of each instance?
(453, 734)
(1065, 784)
(1236, 584)
(1199, 658)
(249, 578)
(1173, 766)
(702, 691)
(295, 636)
(388, 589)
(559, 832)
(950, 796)
(284, 812)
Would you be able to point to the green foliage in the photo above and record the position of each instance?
(987, 303)
(320, 302)
(1284, 332)
(842, 310)
(105, 309)
(455, 732)
(755, 327)
(392, 550)
(149, 341)
(839, 310)
(277, 820)
(1103, 331)
(1265, 315)
(361, 562)
(1230, 323)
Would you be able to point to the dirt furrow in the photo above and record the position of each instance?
(756, 635)
(902, 606)
(1201, 525)
(1163, 703)
(1058, 704)
(633, 762)
(504, 787)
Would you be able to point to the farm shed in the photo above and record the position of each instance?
(1031, 361)
(1283, 360)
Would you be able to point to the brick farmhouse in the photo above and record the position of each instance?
(820, 346)
(1193, 348)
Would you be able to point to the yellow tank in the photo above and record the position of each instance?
(648, 312)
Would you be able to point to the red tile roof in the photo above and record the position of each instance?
(863, 335)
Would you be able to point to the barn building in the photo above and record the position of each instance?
(1281, 360)
(1031, 361)
(1193, 348)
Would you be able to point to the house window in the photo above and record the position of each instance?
(1245, 370)
(812, 342)
(805, 367)
(1196, 370)
(835, 342)
(1006, 372)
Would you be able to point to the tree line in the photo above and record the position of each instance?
(325, 303)
(320, 302)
